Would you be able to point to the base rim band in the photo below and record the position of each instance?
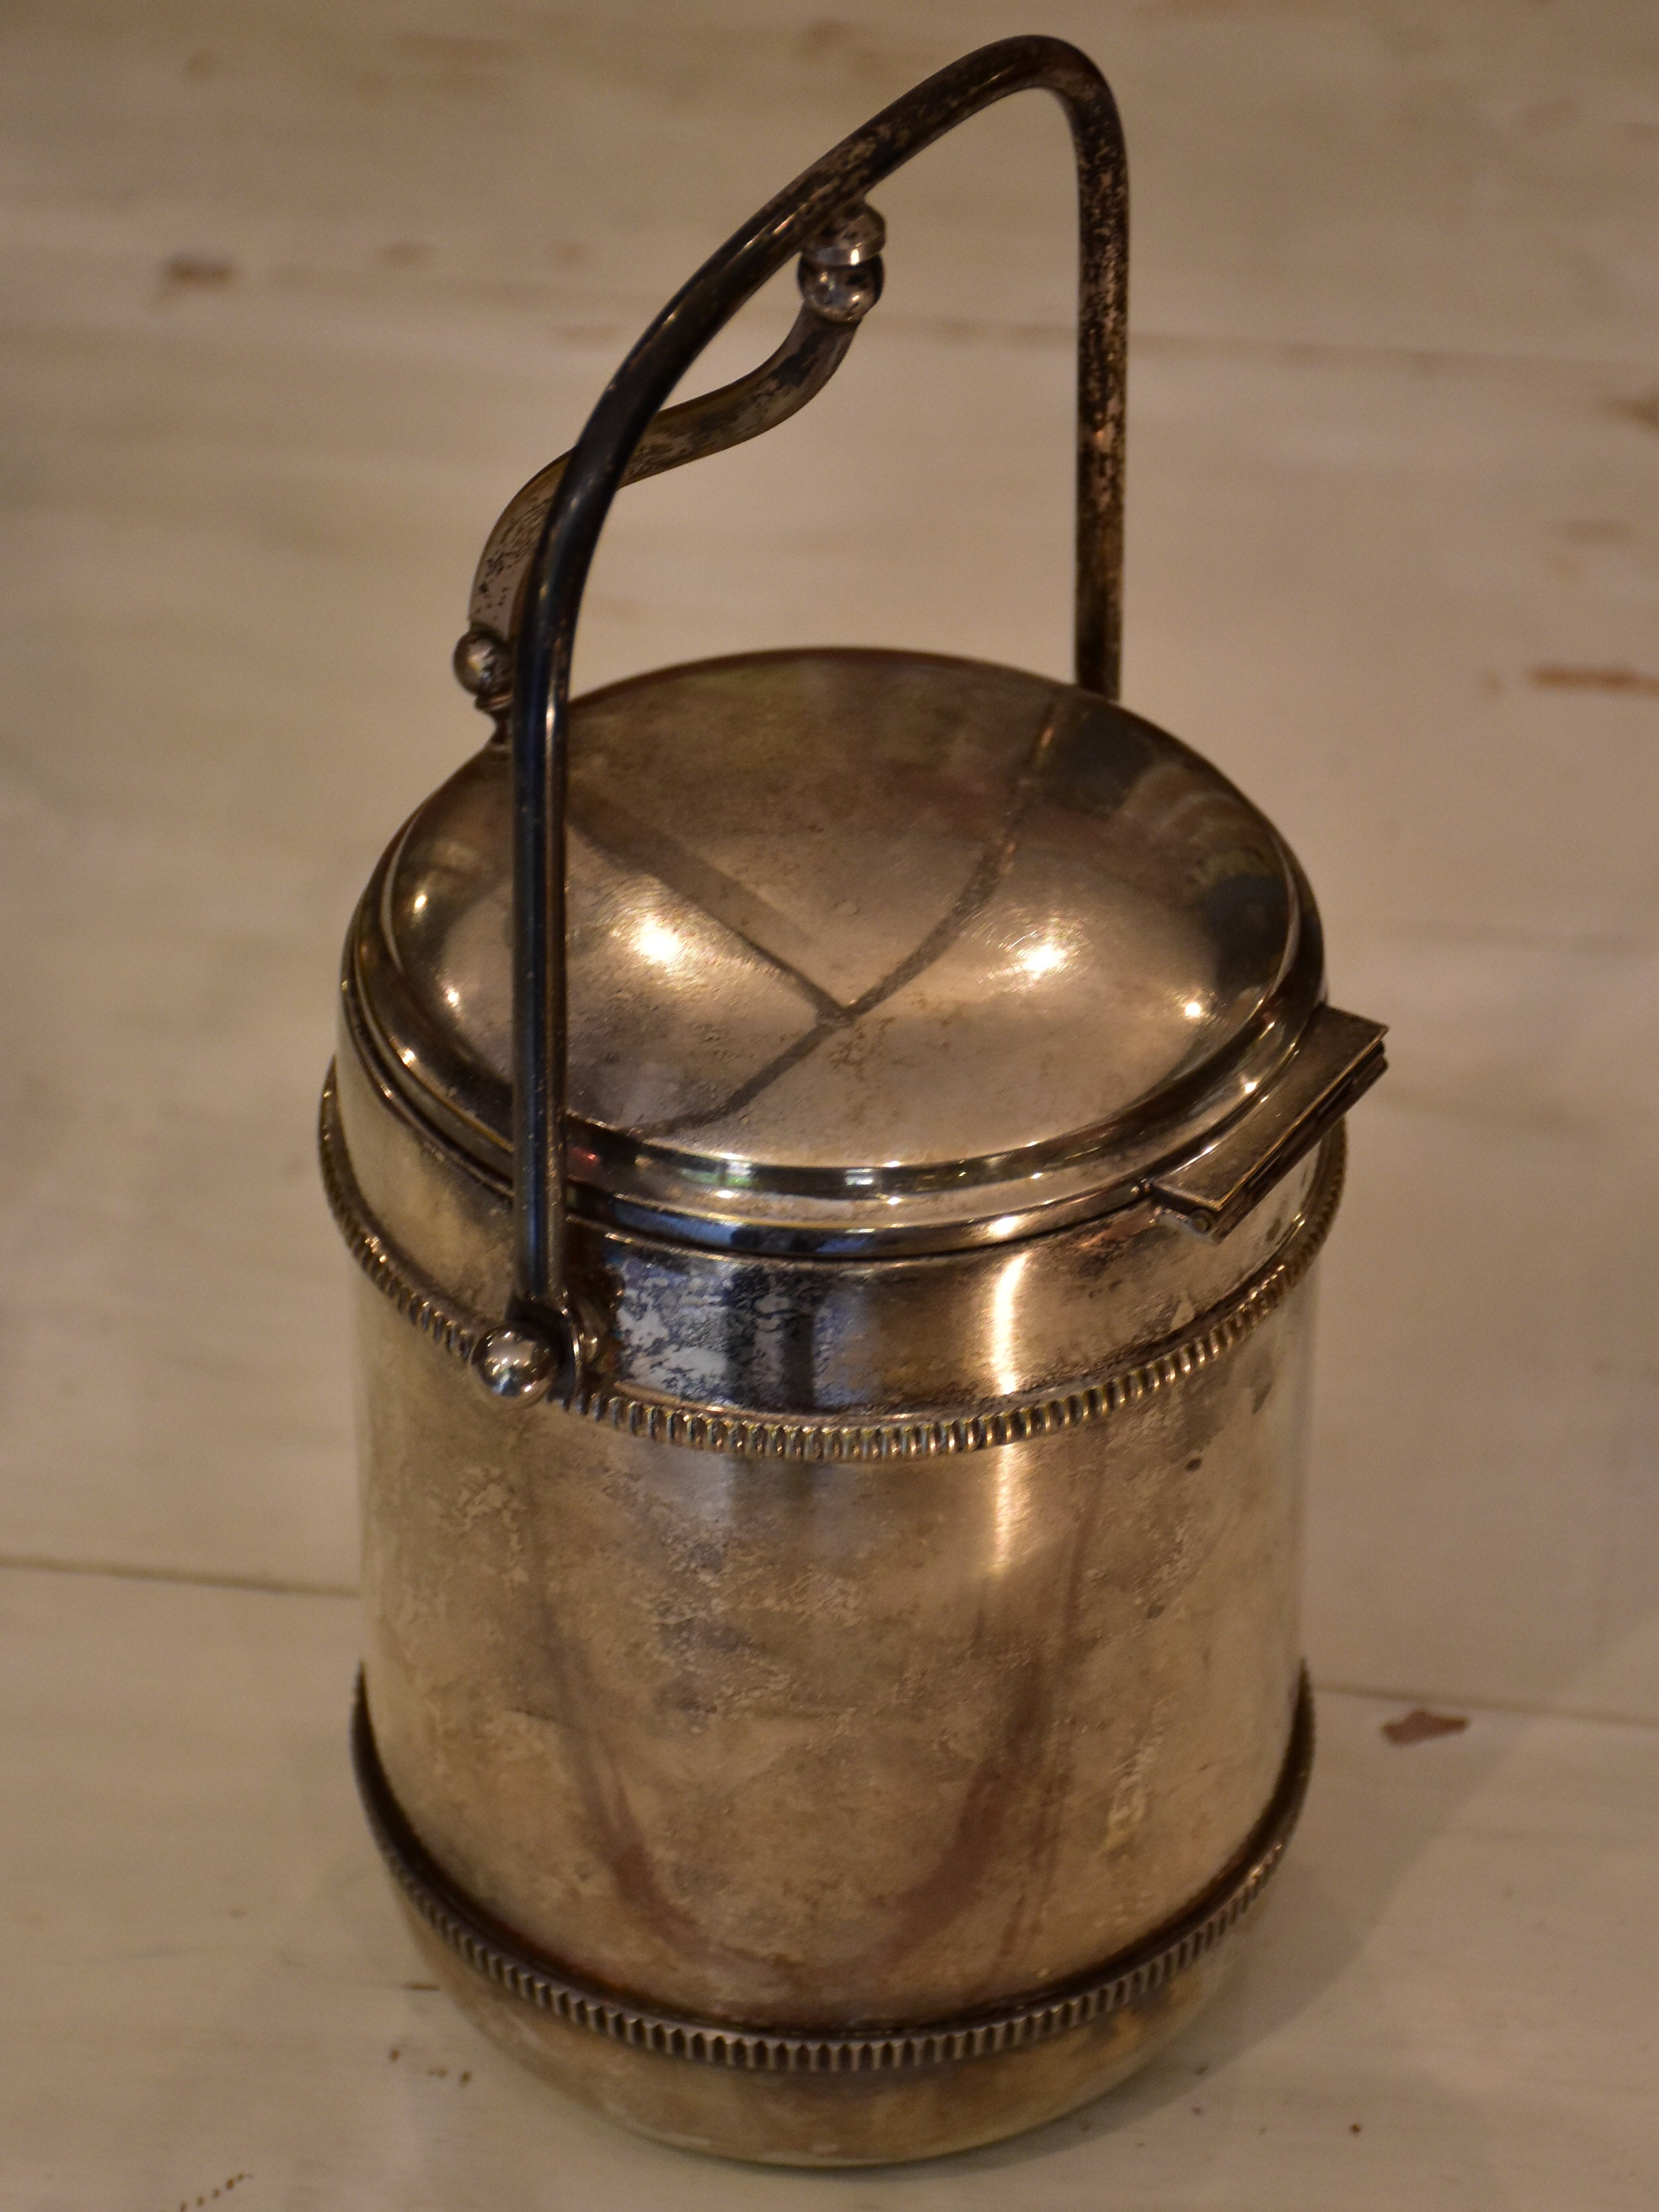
(494, 1953)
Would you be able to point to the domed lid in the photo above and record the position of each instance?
(867, 950)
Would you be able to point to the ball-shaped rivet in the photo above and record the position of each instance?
(856, 236)
(515, 1363)
(480, 662)
(839, 270)
(843, 295)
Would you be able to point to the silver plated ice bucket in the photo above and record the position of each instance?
(837, 1144)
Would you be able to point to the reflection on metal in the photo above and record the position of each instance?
(1042, 958)
(1008, 1495)
(657, 943)
(1004, 1313)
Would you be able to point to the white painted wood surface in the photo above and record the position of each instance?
(292, 298)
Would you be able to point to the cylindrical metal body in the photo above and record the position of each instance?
(814, 1726)
(857, 1722)
(837, 1144)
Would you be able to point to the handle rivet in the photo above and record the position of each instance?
(480, 662)
(840, 271)
(515, 1363)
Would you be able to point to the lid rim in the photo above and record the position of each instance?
(839, 1236)
(849, 1205)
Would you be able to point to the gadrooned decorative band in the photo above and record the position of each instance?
(1149, 1370)
(413, 1292)
(1134, 1975)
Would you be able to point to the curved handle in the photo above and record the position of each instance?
(539, 1347)
(841, 278)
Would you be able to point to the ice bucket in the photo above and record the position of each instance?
(837, 1144)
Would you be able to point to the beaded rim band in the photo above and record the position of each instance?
(1133, 1976)
(1151, 1369)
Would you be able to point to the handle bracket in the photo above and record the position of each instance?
(840, 277)
(1338, 1057)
